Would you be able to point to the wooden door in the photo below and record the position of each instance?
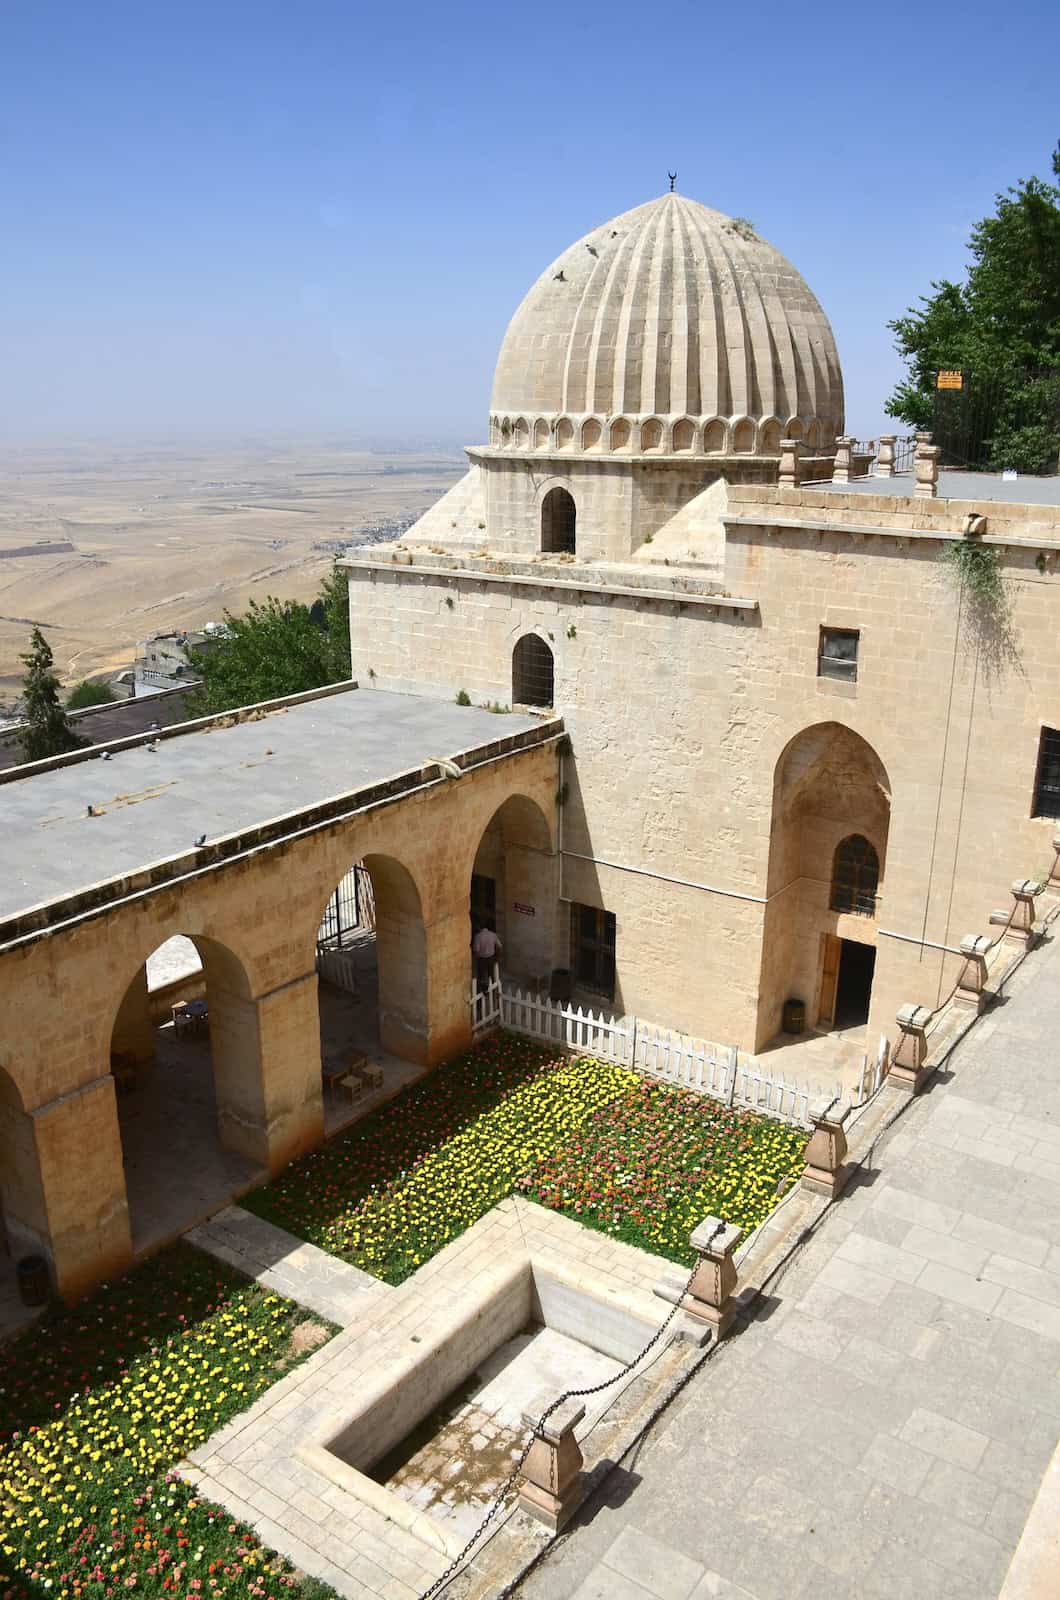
(831, 952)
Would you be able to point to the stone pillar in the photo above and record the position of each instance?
(841, 468)
(1022, 930)
(134, 1033)
(551, 1484)
(926, 468)
(825, 1172)
(907, 1069)
(449, 975)
(970, 994)
(710, 1294)
(788, 471)
(82, 1183)
(884, 467)
(267, 1077)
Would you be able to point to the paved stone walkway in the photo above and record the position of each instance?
(883, 1427)
(287, 1265)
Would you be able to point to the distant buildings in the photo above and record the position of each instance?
(165, 662)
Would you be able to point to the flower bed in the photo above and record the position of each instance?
(641, 1161)
(99, 1402)
(397, 1187)
(649, 1166)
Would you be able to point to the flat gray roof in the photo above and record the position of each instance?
(219, 781)
(1022, 491)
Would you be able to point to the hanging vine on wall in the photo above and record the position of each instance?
(976, 572)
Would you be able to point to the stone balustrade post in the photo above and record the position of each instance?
(825, 1172)
(970, 994)
(1021, 931)
(710, 1296)
(907, 1069)
(841, 468)
(884, 466)
(551, 1484)
(926, 468)
(788, 470)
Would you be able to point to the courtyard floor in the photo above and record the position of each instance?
(176, 1169)
(882, 1428)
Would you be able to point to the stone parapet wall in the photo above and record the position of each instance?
(902, 513)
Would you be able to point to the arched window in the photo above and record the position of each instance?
(532, 672)
(558, 517)
(855, 876)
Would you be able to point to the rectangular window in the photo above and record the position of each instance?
(837, 654)
(592, 945)
(1047, 779)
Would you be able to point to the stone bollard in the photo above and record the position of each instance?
(551, 1484)
(710, 1294)
(907, 1069)
(843, 452)
(926, 467)
(788, 470)
(1021, 930)
(970, 994)
(825, 1173)
(884, 467)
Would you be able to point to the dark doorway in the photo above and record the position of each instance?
(483, 901)
(857, 963)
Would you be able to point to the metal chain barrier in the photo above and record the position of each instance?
(568, 1394)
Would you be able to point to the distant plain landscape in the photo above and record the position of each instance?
(103, 546)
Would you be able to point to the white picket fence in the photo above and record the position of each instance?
(873, 1074)
(716, 1070)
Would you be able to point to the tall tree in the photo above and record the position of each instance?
(275, 649)
(1002, 323)
(45, 730)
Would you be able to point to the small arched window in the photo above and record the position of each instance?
(559, 516)
(533, 673)
(855, 876)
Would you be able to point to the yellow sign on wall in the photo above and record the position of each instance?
(950, 380)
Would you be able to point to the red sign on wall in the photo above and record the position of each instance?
(524, 911)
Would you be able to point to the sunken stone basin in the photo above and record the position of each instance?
(438, 1432)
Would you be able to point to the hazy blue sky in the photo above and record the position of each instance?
(311, 215)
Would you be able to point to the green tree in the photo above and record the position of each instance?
(275, 649)
(45, 730)
(87, 693)
(1001, 323)
(335, 594)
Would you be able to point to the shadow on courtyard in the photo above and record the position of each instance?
(176, 1169)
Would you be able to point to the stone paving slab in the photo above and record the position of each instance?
(883, 1425)
(288, 1265)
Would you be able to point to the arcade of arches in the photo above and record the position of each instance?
(104, 1112)
(116, 1134)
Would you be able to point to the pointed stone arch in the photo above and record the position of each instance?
(829, 784)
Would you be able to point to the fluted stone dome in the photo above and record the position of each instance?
(671, 328)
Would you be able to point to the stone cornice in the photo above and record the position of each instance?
(572, 585)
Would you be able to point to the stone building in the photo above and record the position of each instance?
(763, 743)
(804, 760)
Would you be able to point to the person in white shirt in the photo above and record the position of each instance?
(485, 947)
